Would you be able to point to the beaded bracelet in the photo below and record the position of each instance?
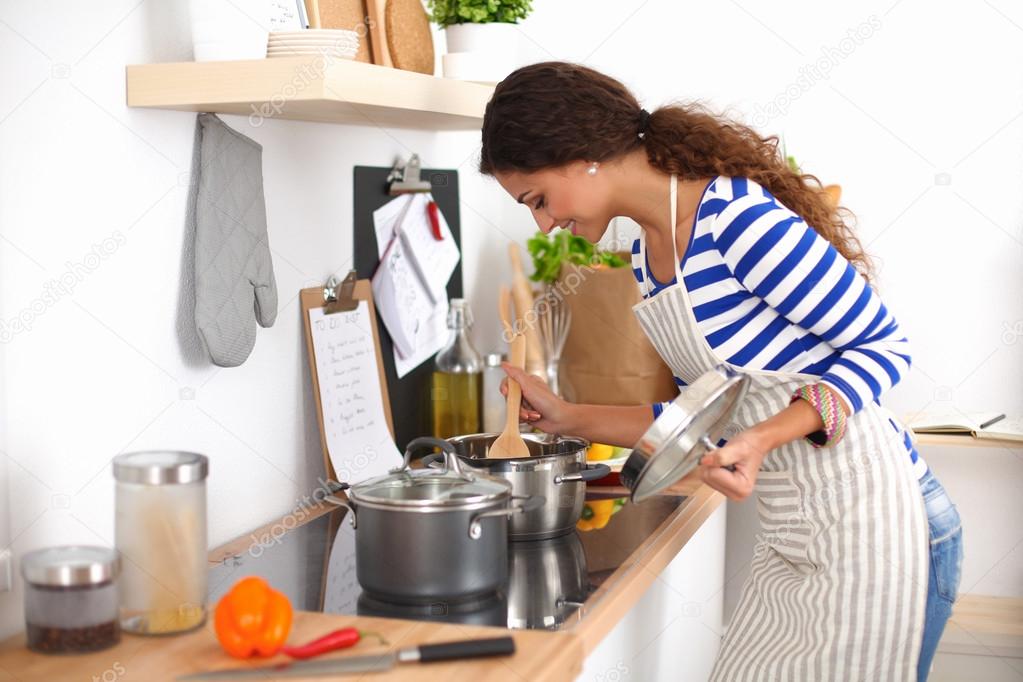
(829, 407)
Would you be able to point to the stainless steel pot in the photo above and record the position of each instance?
(687, 428)
(547, 581)
(556, 470)
(428, 535)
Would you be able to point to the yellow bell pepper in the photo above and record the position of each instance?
(599, 451)
(596, 514)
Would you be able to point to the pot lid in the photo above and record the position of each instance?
(687, 429)
(447, 486)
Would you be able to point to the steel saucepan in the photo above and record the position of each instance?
(436, 534)
(556, 470)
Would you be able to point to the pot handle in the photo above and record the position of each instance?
(592, 472)
(342, 503)
(450, 455)
(531, 503)
(709, 446)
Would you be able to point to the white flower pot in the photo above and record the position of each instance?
(229, 29)
(480, 52)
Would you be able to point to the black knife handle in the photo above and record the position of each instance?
(469, 648)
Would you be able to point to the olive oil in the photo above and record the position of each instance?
(456, 403)
(456, 391)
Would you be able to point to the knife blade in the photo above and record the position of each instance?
(425, 653)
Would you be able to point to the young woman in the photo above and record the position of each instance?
(742, 261)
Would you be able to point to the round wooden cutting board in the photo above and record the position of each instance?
(408, 36)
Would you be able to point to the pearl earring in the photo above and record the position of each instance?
(592, 170)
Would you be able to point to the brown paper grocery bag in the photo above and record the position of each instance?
(608, 360)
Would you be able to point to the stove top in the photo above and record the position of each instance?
(551, 582)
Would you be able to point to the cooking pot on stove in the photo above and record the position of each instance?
(556, 470)
(432, 534)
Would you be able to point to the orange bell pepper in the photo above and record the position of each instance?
(252, 619)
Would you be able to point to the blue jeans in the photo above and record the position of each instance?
(946, 553)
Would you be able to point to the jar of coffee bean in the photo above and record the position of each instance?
(71, 601)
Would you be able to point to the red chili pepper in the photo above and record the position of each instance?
(431, 209)
(338, 639)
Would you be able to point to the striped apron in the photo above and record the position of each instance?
(838, 585)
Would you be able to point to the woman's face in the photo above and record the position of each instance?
(566, 197)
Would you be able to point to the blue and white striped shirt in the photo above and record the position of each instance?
(770, 293)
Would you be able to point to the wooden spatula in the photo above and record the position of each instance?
(510, 443)
(522, 294)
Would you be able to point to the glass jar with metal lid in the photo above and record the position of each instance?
(160, 530)
(71, 599)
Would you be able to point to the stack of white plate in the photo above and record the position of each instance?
(313, 42)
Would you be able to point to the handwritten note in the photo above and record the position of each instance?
(354, 423)
(417, 324)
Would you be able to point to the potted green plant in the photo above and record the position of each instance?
(481, 36)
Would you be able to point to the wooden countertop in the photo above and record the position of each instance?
(540, 654)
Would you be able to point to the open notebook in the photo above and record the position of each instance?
(988, 425)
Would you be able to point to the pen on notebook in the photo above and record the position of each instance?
(992, 421)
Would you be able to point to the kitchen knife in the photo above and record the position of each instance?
(424, 653)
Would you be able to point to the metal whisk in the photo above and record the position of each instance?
(553, 318)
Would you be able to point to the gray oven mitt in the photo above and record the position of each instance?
(234, 276)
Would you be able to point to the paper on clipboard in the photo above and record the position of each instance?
(401, 298)
(433, 260)
(415, 316)
(359, 442)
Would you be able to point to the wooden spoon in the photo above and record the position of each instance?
(510, 443)
(522, 294)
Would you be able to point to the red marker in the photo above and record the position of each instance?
(431, 209)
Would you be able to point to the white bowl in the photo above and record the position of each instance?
(315, 33)
(323, 55)
(314, 41)
(311, 50)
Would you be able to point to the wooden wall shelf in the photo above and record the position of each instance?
(311, 89)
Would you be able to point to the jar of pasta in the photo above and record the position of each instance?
(160, 532)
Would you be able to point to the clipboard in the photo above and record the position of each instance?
(338, 296)
(372, 186)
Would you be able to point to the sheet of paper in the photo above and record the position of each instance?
(437, 259)
(359, 443)
(417, 325)
(401, 299)
(285, 15)
(341, 593)
(433, 335)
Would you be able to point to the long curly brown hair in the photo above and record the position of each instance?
(552, 113)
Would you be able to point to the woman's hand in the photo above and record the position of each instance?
(746, 453)
(541, 407)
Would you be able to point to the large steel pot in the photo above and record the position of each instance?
(547, 581)
(436, 534)
(556, 470)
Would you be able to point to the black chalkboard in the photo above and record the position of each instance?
(410, 395)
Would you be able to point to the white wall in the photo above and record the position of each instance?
(113, 366)
(110, 366)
